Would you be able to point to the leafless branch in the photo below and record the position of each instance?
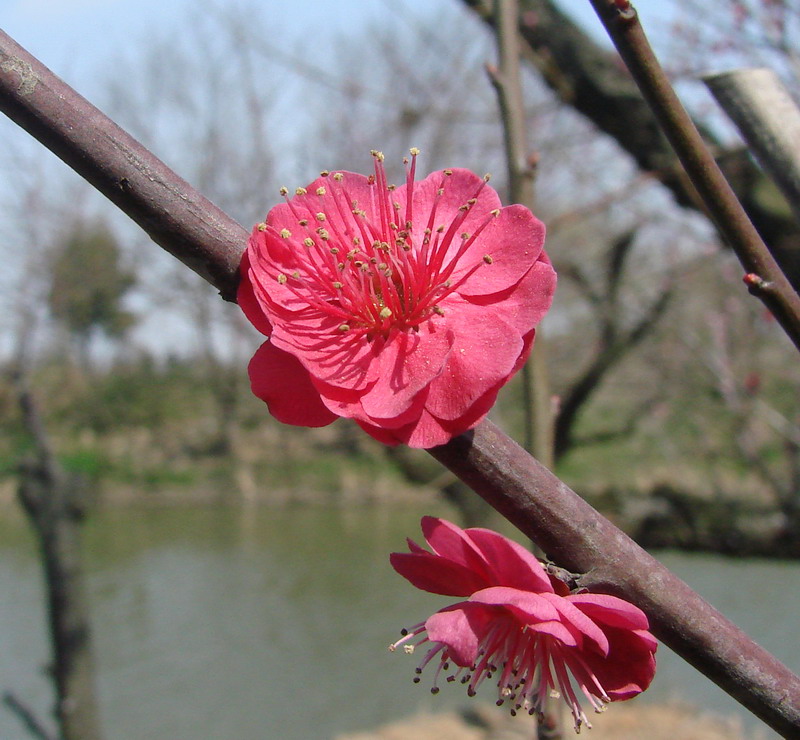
(518, 486)
(27, 716)
(768, 281)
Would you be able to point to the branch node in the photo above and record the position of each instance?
(756, 284)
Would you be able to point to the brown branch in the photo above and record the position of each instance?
(576, 537)
(523, 490)
(589, 78)
(622, 24)
(172, 213)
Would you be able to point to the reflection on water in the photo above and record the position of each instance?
(257, 623)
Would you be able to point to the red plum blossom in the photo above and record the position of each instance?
(405, 308)
(520, 627)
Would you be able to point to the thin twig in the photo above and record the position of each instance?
(768, 281)
(538, 414)
(519, 487)
(27, 716)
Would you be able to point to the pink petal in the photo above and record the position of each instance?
(277, 378)
(436, 575)
(523, 305)
(407, 362)
(246, 298)
(459, 187)
(531, 608)
(448, 540)
(630, 666)
(461, 627)
(484, 354)
(425, 432)
(576, 620)
(513, 241)
(611, 610)
(332, 356)
(510, 564)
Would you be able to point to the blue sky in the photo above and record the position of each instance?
(75, 37)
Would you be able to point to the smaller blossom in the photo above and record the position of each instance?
(520, 626)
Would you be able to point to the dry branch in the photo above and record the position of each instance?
(523, 490)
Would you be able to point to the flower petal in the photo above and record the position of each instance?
(407, 363)
(436, 575)
(461, 627)
(246, 298)
(510, 564)
(512, 242)
(485, 352)
(277, 378)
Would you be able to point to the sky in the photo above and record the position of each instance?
(82, 40)
(75, 38)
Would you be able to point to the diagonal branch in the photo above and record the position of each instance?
(765, 279)
(174, 215)
(589, 78)
(518, 486)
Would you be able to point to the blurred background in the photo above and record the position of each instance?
(236, 572)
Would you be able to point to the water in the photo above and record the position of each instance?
(251, 624)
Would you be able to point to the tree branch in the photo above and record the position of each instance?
(589, 78)
(172, 213)
(523, 490)
(27, 716)
(622, 24)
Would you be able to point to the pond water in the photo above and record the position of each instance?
(253, 623)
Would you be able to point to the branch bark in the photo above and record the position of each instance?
(172, 213)
(589, 78)
(519, 487)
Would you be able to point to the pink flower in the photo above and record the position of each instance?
(521, 626)
(404, 308)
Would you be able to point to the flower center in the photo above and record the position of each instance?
(379, 271)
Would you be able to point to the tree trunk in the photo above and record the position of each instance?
(55, 504)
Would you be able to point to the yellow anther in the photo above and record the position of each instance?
(391, 187)
(448, 172)
(338, 285)
(300, 191)
(378, 155)
(321, 217)
(487, 259)
(308, 241)
(324, 173)
(496, 212)
(465, 236)
(386, 312)
(284, 191)
(487, 177)
(334, 250)
(282, 279)
(321, 191)
(285, 233)
(323, 234)
(261, 227)
(338, 176)
(413, 151)
(303, 222)
(344, 327)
